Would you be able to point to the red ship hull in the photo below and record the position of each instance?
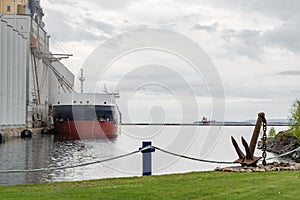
(72, 122)
(85, 129)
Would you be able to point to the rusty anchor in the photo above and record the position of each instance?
(250, 159)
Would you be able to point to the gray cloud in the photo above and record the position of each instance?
(285, 10)
(112, 5)
(58, 19)
(208, 28)
(104, 27)
(284, 36)
(281, 18)
(292, 73)
(251, 43)
(245, 42)
(63, 2)
(157, 76)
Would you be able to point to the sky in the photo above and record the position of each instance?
(251, 48)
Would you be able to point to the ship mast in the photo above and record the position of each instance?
(82, 79)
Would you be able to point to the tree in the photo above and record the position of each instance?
(272, 132)
(295, 118)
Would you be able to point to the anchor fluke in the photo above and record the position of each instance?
(238, 150)
(249, 159)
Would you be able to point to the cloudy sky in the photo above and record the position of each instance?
(254, 46)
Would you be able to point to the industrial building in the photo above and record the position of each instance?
(30, 74)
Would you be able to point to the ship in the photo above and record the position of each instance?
(86, 116)
(206, 121)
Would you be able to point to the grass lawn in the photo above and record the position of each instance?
(200, 185)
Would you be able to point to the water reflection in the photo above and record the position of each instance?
(25, 154)
(44, 151)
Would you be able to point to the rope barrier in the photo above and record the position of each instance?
(131, 153)
(220, 162)
(192, 158)
(284, 154)
(67, 167)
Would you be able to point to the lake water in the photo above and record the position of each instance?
(212, 143)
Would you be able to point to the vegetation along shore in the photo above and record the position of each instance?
(288, 140)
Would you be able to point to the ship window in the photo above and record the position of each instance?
(104, 102)
(87, 102)
(74, 101)
(58, 102)
(8, 9)
(80, 102)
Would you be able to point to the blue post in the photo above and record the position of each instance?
(147, 160)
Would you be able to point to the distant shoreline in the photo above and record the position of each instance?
(196, 124)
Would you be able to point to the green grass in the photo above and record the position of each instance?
(201, 185)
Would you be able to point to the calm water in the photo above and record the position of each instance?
(211, 143)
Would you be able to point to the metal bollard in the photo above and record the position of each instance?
(147, 159)
(2, 138)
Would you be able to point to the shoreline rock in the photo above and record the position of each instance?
(283, 142)
(275, 166)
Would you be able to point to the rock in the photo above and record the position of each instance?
(218, 169)
(235, 170)
(297, 167)
(255, 169)
(296, 156)
(227, 169)
(275, 166)
(259, 144)
(269, 169)
(283, 142)
(258, 169)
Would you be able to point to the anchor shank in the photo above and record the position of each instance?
(252, 146)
